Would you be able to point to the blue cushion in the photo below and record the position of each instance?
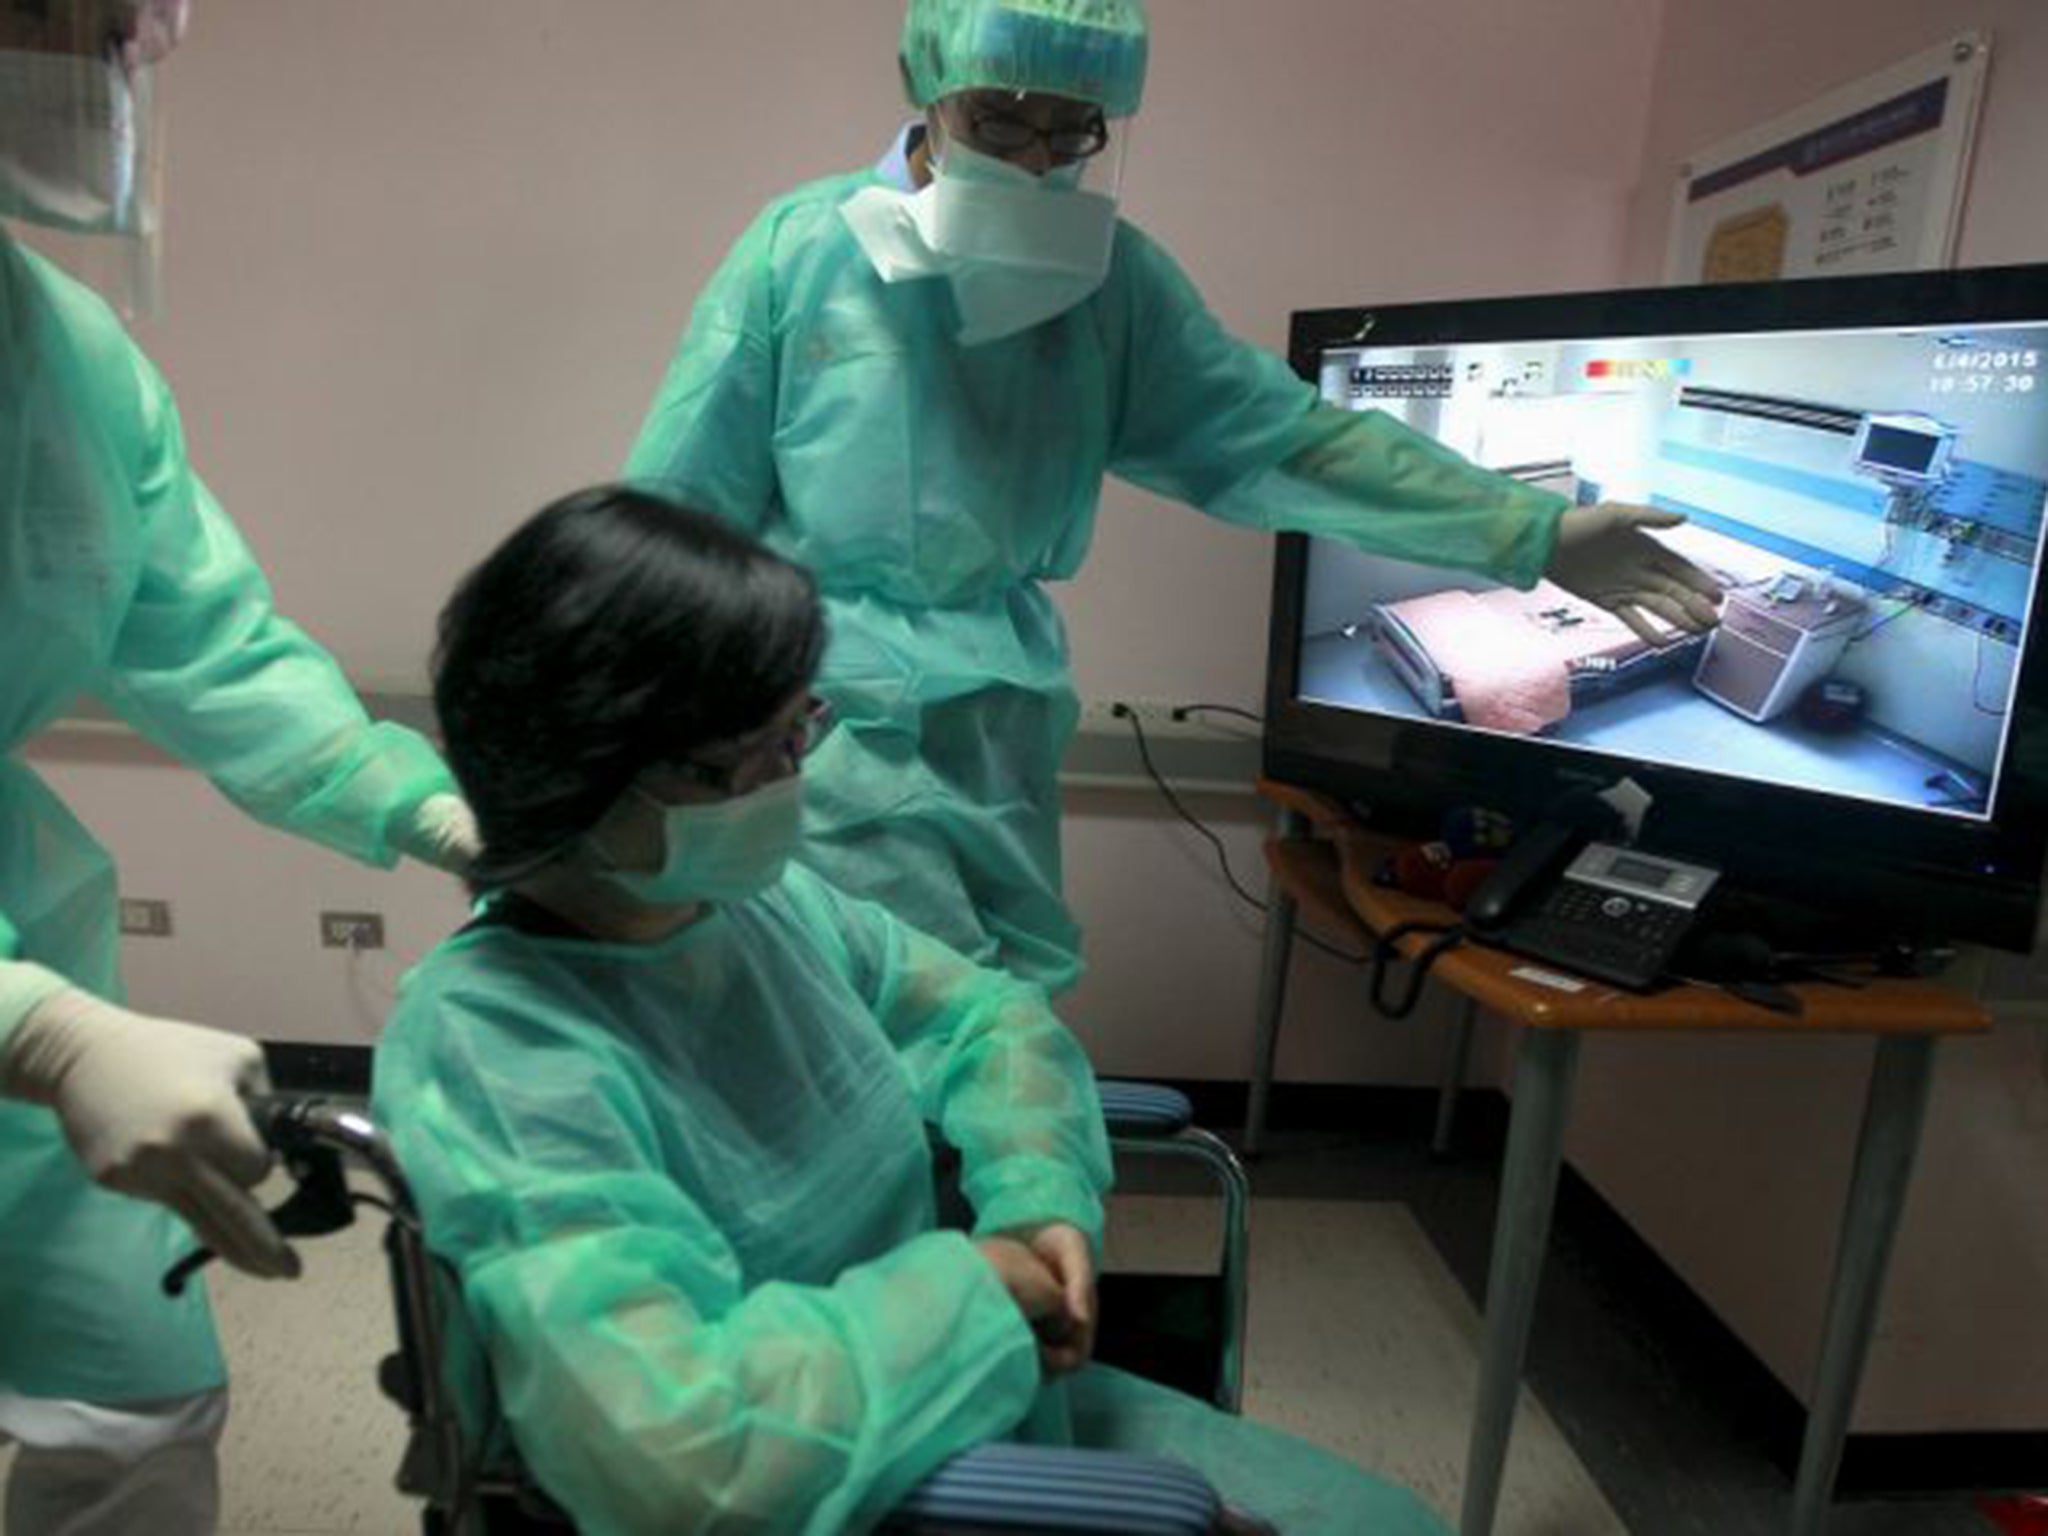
(1055, 1489)
(1145, 1109)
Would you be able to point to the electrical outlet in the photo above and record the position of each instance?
(351, 930)
(1108, 717)
(145, 917)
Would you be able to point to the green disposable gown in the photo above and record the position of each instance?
(935, 489)
(121, 578)
(687, 1189)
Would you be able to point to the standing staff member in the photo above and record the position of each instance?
(913, 380)
(120, 577)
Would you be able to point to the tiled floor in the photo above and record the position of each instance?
(1362, 1342)
(1628, 1396)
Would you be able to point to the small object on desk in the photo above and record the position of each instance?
(1765, 995)
(1472, 831)
(1550, 979)
(1420, 869)
(1464, 879)
(1748, 966)
(1451, 869)
(1787, 588)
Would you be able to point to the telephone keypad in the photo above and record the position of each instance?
(1603, 933)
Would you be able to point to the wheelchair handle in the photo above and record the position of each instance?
(310, 1136)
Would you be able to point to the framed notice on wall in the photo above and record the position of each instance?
(1870, 178)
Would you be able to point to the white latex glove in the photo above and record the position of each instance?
(1604, 555)
(443, 833)
(154, 1109)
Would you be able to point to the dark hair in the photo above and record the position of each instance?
(614, 631)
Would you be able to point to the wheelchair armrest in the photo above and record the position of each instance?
(1034, 1488)
(1144, 1111)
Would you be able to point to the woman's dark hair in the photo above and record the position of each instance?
(614, 631)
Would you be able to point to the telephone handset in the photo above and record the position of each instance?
(1615, 913)
(1529, 864)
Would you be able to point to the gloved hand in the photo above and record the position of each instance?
(1604, 556)
(153, 1109)
(443, 833)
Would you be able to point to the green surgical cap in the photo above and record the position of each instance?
(1090, 50)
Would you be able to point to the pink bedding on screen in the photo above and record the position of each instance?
(1507, 654)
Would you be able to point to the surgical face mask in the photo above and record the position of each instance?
(70, 146)
(1018, 249)
(723, 850)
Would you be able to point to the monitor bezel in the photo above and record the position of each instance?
(1911, 872)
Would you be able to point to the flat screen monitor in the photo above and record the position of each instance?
(1861, 463)
(1910, 449)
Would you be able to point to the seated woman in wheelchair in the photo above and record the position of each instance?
(663, 1101)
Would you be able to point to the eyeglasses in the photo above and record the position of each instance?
(1005, 134)
(750, 764)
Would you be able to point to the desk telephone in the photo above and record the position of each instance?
(1614, 913)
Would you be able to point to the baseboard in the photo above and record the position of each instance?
(1718, 1365)
(1989, 1462)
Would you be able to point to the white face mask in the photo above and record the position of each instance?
(1018, 249)
(723, 850)
(69, 145)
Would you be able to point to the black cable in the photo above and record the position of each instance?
(1215, 842)
(1386, 950)
(1182, 711)
(1977, 683)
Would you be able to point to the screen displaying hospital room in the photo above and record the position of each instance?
(1870, 501)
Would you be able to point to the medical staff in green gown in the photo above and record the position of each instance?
(663, 1103)
(120, 579)
(913, 380)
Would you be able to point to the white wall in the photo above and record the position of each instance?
(1731, 1156)
(426, 263)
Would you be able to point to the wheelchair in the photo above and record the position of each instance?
(1184, 1331)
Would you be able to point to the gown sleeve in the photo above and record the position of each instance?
(1213, 421)
(205, 667)
(991, 1066)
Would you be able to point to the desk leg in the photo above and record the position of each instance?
(1893, 1113)
(1457, 1062)
(1279, 951)
(1546, 1062)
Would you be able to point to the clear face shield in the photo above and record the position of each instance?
(81, 140)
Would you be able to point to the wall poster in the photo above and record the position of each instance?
(1870, 178)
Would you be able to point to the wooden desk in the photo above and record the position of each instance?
(1908, 1017)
